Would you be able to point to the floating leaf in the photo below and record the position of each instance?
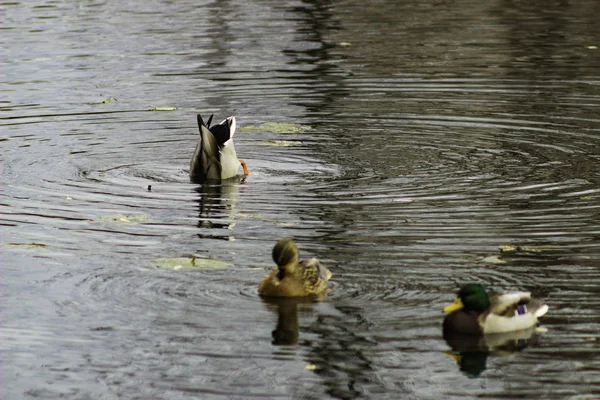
(285, 143)
(310, 366)
(592, 47)
(345, 44)
(244, 215)
(195, 261)
(587, 198)
(28, 246)
(527, 248)
(68, 198)
(155, 108)
(493, 260)
(508, 248)
(122, 219)
(108, 100)
(276, 127)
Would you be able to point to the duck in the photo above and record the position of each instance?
(478, 312)
(215, 158)
(293, 277)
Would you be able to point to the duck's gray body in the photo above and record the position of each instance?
(214, 158)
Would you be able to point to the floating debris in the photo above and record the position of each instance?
(276, 127)
(122, 219)
(493, 260)
(194, 261)
(285, 143)
(155, 108)
(27, 246)
(310, 366)
(508, 248)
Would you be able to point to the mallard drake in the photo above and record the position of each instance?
(214, 158)
(293, 277)
(476, 312)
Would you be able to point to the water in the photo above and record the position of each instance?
(422, 137)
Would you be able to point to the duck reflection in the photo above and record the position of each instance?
(217, 209)
(471, 352)
(286, 330)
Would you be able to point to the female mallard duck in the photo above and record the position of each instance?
(292, 277)
(214, 158)
(476, 312)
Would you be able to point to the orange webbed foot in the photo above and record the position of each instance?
(246, 171)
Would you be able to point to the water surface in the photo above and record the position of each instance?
(401, 144)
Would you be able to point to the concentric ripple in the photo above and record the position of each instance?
(410, 146)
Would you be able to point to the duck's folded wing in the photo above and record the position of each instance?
(512, 312)
(505, 304)
(315, 264)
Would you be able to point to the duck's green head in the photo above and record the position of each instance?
(285, 252)
(471, 297)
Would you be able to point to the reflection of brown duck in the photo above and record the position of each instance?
(476, 312)
(293, 277)
(286, 331)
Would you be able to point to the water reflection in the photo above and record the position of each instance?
(342, 354)
(335, 348)
(463, 126)
(471, 352)
(286, 330)
(217, 210)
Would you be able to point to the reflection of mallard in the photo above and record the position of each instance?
(476, 312)
(293, 277)
(471, 352)
(214, 158)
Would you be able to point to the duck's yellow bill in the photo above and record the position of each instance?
(457, 357)
(457, 305)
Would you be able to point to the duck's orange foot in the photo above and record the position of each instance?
(246, 172)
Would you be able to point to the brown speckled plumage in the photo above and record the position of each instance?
(292, 277)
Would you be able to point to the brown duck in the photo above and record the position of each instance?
(293, 277)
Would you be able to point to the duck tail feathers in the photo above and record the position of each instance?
(541, 311)
(201, 122)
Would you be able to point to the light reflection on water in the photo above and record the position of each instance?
(432, 135)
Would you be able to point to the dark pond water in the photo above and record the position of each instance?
(400, 143)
